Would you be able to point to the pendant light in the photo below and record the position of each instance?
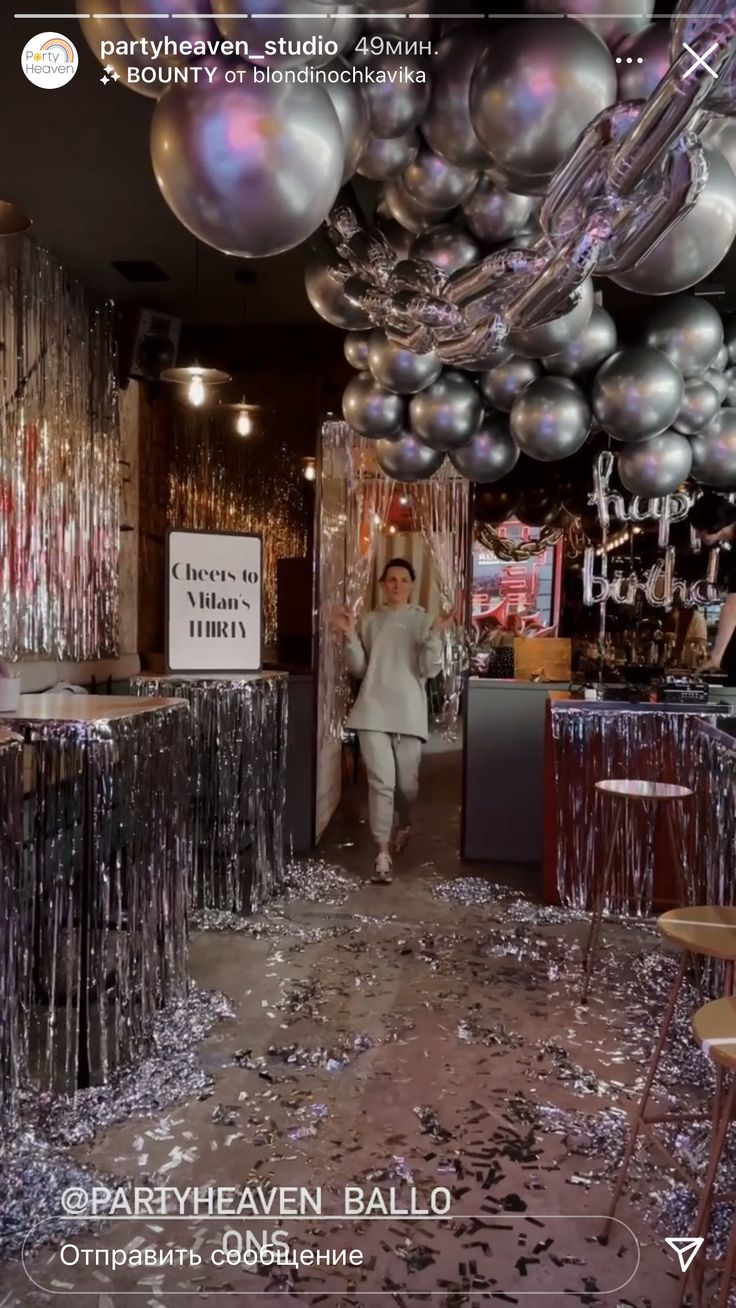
(196, 379)
(244, 413)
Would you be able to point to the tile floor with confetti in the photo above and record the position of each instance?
(418, 1043)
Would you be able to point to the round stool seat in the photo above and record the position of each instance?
(702, 929)
(627, 789)
(714, 1027)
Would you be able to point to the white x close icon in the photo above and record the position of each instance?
(700, 59)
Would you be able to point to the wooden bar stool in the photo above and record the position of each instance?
(714, 1028)
(621, 793)
(706, 931)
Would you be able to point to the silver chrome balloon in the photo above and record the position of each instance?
(657, 466)
(407, 211)
(355, 347)
(399, 369)
(730, 377)
(506, 380)
(408, 459)
(495, 215)
(447, 247)
(551, 337)
(700, 404)
(637, 393)
(596, 342)
(689, 331)
(396, 107)
(435, 183)
(718, 381)
(645, 58)
(612, 20)
(720, 363)
(714, 452)
(352, 115)
(490, 454)
(251, 170)
(697, 242)
(371, 410)
(534, 89)
(381, 158)
(329, 300)
(446, 124)
(550, 420)
(447, 414)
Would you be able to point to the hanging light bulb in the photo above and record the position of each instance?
(196, 393)
(243, 423)
(309, 467)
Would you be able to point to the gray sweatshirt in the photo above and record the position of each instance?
(394, 654)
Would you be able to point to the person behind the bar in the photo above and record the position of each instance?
(713, 517)
(395, 650)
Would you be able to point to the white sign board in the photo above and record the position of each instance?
(214, 602)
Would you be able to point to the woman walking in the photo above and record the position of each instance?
(393, 653)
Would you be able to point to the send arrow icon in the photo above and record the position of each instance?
(686, 1248)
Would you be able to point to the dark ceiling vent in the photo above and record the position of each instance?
(139, 270)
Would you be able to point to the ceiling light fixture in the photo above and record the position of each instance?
(244, 416)
(197, 381)
(13, 221)
(309, 469)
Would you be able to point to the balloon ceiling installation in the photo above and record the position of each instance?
(512, 160)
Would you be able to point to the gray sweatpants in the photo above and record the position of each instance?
(392, 764)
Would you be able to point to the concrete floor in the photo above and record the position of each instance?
(470, 1067)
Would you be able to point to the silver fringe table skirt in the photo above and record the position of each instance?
(11, 786)
(104, 881)
(654, 743)
(238, 784)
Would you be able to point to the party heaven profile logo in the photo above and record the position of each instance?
(49, 60)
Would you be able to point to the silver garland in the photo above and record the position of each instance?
(238, 785)
(102, 895)
(59, 463)
(11, 784)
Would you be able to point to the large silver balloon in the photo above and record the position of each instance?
(192, 20)
(495, 215)
(435, 183)
(730, 377)
(689, 331)
(352, 115)
(406, 211)
(355, 347)
(449, 248)
(251, 170)
(408, 459)
(720, 363)
(610, 19)
(105, 24)
(714, 452)
(657, 466)
(399, 369)
(534, 89)
(637, 393)
(596, 342)
(370, 410)
(490, 454)
(447, 414)
(700, 404)
(718, 382)
(502, 383)
(551, 337)
(446, 124)
(381, 159)
(644, 59)
(299, 28)
(721, 133)
(550, 420)
(329, 300)
(396, 107)
(696, 244)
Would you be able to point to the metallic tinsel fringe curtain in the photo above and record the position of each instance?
(237, 787)
(11, 787)
(220, 482)
(593, 744)
(59, 463)
(103, 893)
(354, 500)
